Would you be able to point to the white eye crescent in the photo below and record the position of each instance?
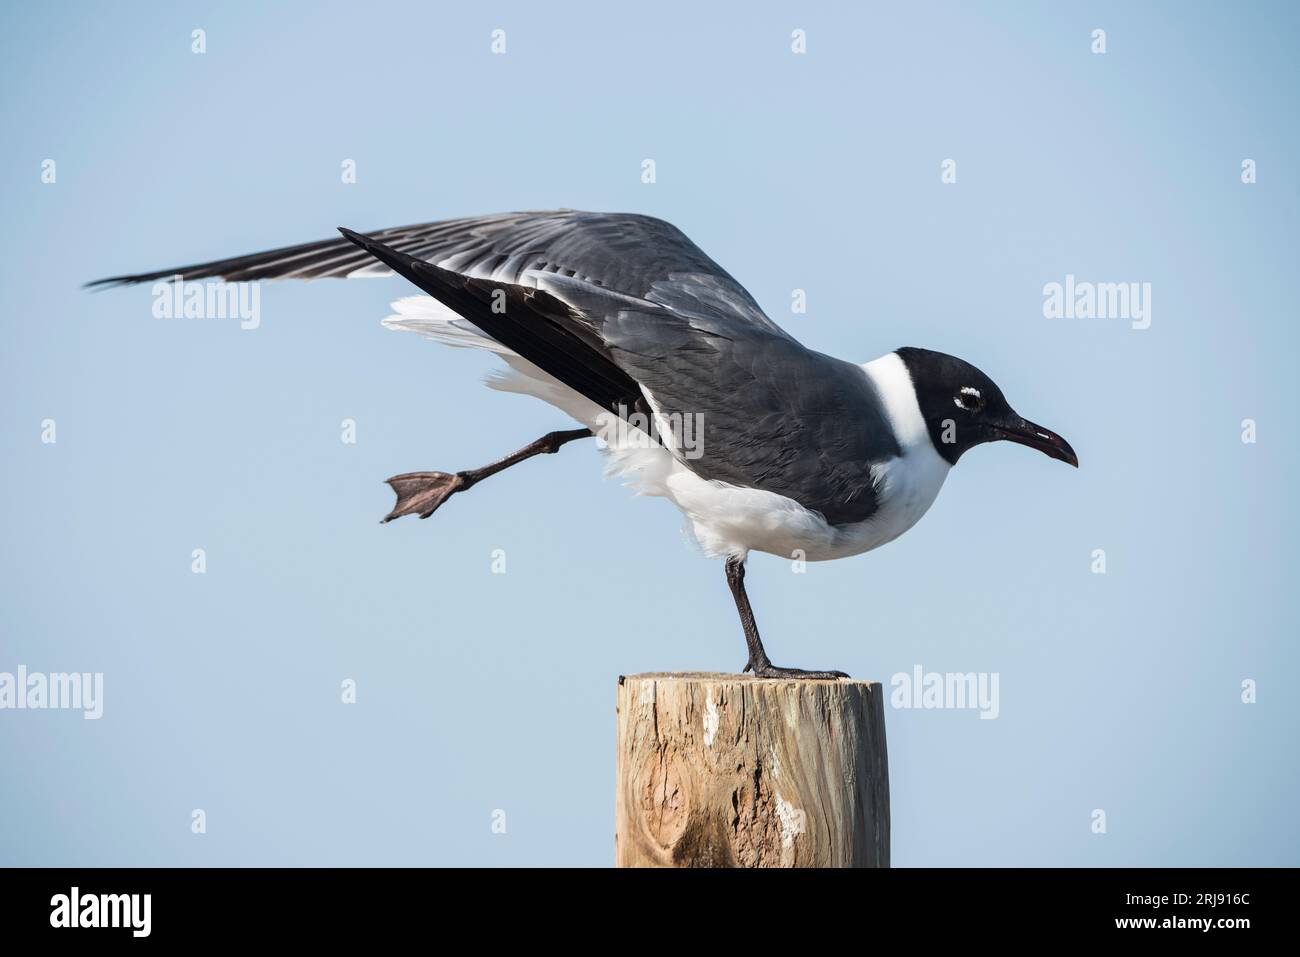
(969, 399)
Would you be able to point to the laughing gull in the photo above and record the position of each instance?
(624, 324)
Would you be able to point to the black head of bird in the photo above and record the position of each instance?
(963, 408)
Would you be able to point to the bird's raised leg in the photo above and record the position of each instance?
(758, 660)
(420, 493)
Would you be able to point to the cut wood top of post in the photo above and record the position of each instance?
(720, 676)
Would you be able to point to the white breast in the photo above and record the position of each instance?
(908, 485)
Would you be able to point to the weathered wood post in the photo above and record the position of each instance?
(722, 770)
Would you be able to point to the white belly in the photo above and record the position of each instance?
(727, 520)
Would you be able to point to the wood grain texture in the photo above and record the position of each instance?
(718, 770)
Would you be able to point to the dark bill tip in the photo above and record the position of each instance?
(1046, 441)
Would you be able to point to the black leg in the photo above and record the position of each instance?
(420, 493)
(758, 660)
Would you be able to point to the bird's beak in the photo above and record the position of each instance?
(1019, 429)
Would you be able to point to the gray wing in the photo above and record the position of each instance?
(618, 307)
(623, 252)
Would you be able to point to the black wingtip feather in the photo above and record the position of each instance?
(112, 282)
(394, 259)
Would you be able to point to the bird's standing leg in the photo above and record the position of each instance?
(758, 660)
(420, 493)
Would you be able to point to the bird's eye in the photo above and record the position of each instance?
(969, 399)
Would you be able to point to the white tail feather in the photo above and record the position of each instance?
(433, 320)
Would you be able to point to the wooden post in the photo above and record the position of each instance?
(722, 770)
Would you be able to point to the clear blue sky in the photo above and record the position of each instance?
(821, 171)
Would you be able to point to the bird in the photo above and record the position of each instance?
(623, 324)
